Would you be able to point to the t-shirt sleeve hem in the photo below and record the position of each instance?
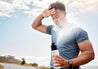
(48, 30)
(82, 41)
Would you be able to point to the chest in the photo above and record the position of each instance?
(62, 36)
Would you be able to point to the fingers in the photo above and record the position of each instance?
(57, 59)
(52, 11)
(48, 12)
(56, 56)
(54, 59)
(57, 62)
(49, 7)
(59, 65)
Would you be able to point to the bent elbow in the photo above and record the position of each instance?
(93, 56)
(33, 26)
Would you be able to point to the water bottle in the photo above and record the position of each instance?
(55, 51)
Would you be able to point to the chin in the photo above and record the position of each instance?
(57, 24)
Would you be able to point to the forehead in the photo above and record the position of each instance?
(57, 12)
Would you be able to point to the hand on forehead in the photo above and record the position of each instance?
(57, 13)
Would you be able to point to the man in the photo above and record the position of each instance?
(70, 45)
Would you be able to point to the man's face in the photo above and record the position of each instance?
(58, 17)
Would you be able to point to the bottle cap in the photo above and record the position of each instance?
(53, 46)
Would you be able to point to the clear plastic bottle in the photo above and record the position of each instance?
(55, 51)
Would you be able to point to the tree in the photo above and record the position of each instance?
(23, 61)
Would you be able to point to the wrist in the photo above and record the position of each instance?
(70, 63)
(42, 15)
(66, 64)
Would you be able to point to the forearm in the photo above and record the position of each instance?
(37, 21)
(83, 58)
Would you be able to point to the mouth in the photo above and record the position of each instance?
(56, 22)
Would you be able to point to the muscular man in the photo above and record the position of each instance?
(70, 45)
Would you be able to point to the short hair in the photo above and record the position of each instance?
(57, 5)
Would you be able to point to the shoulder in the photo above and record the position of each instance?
(80, 34)
(78, 29)
(49, 28)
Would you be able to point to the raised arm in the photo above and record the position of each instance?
(37, 24)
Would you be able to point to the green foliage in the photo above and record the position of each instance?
(23, 61)
(34, 64)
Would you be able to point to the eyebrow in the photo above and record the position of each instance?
(54, 16)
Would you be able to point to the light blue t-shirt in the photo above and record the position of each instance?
(67, 40)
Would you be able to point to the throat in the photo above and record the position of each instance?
(63, 24)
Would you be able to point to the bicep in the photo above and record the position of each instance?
(85, 46)
(83, 41)
(42, 28)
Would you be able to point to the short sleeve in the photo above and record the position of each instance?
(48, 31)
(81, 36)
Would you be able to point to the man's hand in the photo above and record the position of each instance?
(46, 13)
(62, 62)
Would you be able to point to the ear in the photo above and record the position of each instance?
(65, 13)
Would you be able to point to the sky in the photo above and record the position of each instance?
(17, 38)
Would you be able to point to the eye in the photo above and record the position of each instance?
(55, 16)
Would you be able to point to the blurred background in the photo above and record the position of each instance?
(18, 39)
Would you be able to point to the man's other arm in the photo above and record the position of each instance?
(87, 53)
